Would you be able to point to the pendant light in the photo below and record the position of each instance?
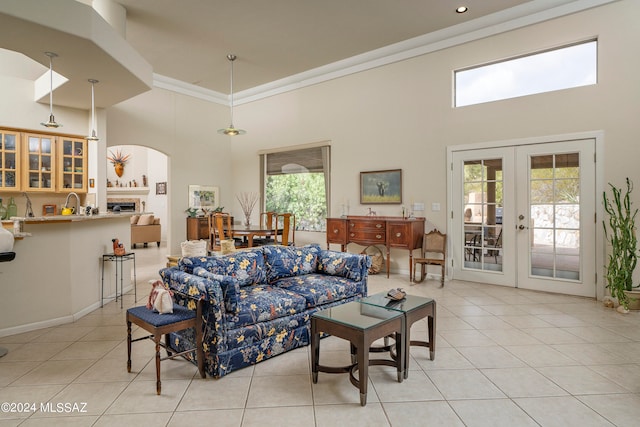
(52, 120)
(231, 131)
(93, 136)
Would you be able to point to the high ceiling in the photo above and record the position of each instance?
(279, 43)
(188, 40)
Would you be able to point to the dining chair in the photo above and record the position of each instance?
(221, 227)
(494, 246)
(285, 228)
(267, 221)
(434, 252)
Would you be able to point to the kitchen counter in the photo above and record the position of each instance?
(56, 275)
(70, 218)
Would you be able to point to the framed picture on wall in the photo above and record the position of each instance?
(381, 187)
(204, 196)
(161, 188)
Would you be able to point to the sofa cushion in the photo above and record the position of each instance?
(246, 266)
(229, 285)
(134, 219)
(262, 303)
(343, 264)
(287, 261)
(318, 289)
(146, 219)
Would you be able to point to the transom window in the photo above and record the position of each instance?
(551, 70)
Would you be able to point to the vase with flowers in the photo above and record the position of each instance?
(247, 201)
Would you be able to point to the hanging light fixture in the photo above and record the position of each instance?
(231, 131)
(52, 120)
(93, 136)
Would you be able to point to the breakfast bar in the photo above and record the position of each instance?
(55, 276)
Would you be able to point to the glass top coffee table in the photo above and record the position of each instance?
(413, 308)
(361, 325)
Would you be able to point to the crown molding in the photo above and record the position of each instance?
(511, 19)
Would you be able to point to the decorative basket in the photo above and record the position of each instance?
(377, 258)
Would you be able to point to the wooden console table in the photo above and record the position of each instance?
(390, 231)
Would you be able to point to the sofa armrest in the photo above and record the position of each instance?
(207, 290)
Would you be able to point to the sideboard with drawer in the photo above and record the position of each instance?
(390, 231)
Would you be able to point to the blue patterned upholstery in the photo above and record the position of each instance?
(275, 290)
(246, 266)
(229, 284)
(287, 261)
(156, 319)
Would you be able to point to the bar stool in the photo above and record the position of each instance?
(119, 259)
(163, 324)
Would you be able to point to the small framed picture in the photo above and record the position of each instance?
(204, 196)
(161, 188)
(49, 210)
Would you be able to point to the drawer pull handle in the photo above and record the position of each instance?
(378, 225)
(398, 234)
(353, 234)
(335, 231)
(352, 224)
(378, 236)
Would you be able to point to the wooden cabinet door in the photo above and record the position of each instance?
(405, 234)
(336, 231)
(9, 161)
(72, 165)
(38, 164)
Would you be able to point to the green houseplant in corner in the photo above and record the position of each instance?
(621, 236)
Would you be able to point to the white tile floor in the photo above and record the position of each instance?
(505, 357)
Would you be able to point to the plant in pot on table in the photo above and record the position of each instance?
(623, 255)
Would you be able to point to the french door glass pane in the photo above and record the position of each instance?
(555, 216)
(483, 199)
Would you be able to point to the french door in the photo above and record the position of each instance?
(524, 216)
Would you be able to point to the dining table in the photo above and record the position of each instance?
(249, 232)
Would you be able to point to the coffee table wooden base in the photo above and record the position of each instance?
(361, 341)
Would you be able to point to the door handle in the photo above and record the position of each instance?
(521, 227)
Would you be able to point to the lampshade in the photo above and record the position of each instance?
(93, 135)
(231, 130)
(52, 120)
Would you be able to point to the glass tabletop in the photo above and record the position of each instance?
(357, 315)
(410, 302)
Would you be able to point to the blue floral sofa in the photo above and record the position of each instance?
(258, 302)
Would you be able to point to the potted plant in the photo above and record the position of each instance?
(623, 256)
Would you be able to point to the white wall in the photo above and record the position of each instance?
(397, 116)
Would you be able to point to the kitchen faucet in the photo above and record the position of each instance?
(66, 202)
(29, 210)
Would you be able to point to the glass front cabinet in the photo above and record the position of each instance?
(9, 161)
(72, 165)
(42, 163)
(40, 158)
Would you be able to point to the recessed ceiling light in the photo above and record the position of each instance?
(461, 9)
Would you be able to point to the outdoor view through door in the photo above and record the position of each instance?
(554, 218)
(523, 216)
(483, 214)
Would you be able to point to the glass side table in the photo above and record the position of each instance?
(414, 308)
(361, 325)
